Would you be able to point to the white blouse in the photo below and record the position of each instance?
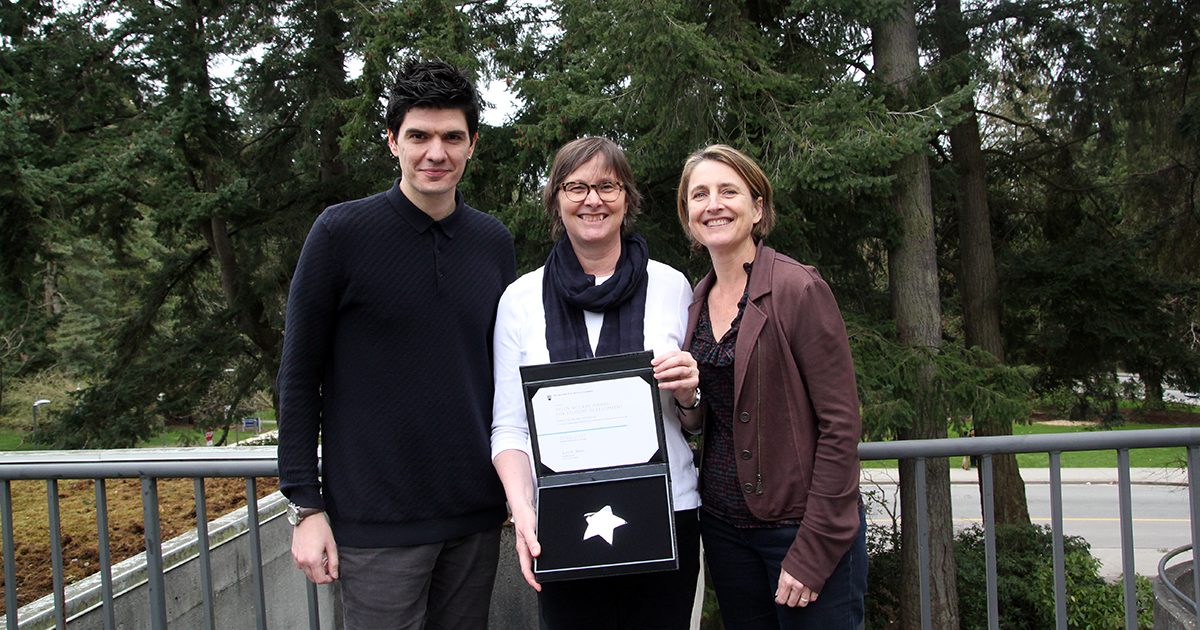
(520, 339)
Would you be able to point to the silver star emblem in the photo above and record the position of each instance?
(602, 524)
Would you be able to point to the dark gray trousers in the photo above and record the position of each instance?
(439, 586)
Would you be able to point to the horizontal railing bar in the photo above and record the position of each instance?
(1062, 442)
(145, 454)
(260, 461)
(255, 461)
(130, 470)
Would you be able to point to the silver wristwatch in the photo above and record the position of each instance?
(295, 513)
(694, 404)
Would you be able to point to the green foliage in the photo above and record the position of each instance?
(710, 614)
(53, 385)
(164, 207)
(967, 384)
(1025, 574)
(775, 82)
(1089, 304)
(153, 205)
(1025, 581)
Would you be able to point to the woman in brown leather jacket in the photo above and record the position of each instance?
(782, 520)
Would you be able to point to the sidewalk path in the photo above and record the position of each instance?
(1138, 476)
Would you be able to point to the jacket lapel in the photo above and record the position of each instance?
(754, 317)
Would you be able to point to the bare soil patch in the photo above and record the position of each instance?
(1068, 423)
(1169, 417)
(1165, 417)
(77, 510)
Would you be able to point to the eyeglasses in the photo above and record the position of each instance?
(578, 191)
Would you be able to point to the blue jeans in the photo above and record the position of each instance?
(745, 565)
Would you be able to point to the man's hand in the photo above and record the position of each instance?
(525, 523)
(314, 551)
(792, 593)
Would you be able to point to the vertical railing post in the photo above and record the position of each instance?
(10, 558)
(106, 583)
(923, 546)
(206, 586)
(989, 542)
(1124, 491)
(1193, 461)
(1056, 528)
(256, 569)
(154, 558)
(56, 555)
(314, 611)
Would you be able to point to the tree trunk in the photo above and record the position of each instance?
(330, 58)
(913, 283)
(978, 280)
(249, 309)
(204, 150)
(53, 299)
(1152, 381)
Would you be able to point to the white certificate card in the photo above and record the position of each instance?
(595, 424)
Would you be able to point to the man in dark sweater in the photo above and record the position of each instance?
(387, 364)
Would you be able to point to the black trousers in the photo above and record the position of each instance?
(660, 601)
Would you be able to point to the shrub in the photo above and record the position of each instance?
(1025, 582)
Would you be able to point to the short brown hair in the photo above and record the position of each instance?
(756, 180)
(576, 153)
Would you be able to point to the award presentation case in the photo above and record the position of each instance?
(604, 500)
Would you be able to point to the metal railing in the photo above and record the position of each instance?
(150, 465)
(987, 447)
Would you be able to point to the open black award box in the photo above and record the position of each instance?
(600, 457)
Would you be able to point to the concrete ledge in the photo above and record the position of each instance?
(1169, 612)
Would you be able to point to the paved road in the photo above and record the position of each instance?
(1170, 394)
(1090, 509)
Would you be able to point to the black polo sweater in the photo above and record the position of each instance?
(387, 357)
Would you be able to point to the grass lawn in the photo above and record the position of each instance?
(1138, 458)
(13, 439)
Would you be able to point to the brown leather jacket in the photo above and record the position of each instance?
(796, 413)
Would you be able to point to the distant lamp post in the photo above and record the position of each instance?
(37, 404)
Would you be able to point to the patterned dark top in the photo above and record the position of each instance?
(720, 490)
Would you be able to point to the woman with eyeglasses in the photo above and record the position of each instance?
(783, 524)
(598, 294)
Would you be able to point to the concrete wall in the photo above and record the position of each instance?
(514, 602)
(233, 597)
(1169, 612)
